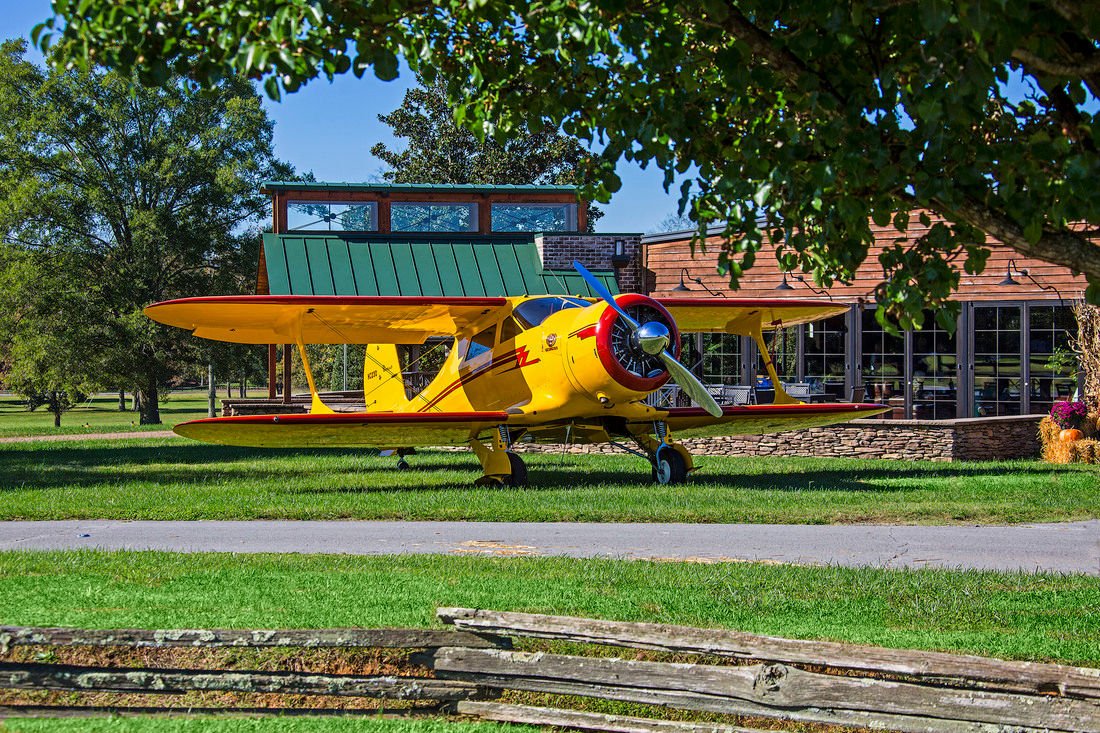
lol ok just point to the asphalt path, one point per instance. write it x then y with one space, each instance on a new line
1072 547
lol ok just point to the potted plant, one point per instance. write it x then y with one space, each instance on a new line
1069 416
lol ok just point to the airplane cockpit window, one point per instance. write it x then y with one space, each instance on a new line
509 329
481 343
533 312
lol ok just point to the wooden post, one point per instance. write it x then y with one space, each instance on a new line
272 374
211 395
286 373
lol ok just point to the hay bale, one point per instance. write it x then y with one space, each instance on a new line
1058 452
1084 450
1048 431
1091 426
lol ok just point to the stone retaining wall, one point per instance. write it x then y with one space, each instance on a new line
978 438
967 439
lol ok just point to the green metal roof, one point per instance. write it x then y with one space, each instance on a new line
410 187
452 266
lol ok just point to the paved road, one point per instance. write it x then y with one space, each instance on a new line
1070 547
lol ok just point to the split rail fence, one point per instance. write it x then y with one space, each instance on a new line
732 673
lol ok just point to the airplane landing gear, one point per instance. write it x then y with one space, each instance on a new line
500 466
671 461
669 466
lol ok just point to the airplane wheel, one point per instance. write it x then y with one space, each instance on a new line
671 467
403 465
518 478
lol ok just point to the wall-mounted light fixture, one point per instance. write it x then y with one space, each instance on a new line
682 288
783 285
1009 280
619 257
814 290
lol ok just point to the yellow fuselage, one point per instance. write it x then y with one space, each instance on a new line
549 371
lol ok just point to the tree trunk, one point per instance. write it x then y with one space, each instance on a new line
150 403
228 389
135 401
122 400
55 408
244 388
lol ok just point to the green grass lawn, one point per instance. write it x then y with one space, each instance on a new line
177 479
1012 615
100 414
1043 617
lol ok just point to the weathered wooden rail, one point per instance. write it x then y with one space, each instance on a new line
798 681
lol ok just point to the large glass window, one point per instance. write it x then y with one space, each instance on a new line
1053 364
823 358
935 374
534 217
782 345
720 360
432 217
997 363
883 363
347 216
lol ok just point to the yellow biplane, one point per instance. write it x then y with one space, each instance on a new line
547 369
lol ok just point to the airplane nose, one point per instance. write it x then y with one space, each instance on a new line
653 337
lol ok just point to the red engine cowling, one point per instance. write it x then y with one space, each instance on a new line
619 351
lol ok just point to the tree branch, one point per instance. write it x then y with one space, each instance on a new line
1067 248
1057 68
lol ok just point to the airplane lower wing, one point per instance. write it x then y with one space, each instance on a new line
695 422
395 429
345 430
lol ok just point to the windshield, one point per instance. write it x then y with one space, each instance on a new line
533 312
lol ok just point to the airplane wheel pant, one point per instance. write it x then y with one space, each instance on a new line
498 464
670 466
655 448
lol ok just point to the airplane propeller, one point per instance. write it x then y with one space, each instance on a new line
653 337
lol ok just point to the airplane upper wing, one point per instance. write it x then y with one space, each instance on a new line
740 315
318 319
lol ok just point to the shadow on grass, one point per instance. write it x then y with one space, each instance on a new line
37 468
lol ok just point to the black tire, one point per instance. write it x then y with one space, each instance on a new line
518 479
403 465
671 467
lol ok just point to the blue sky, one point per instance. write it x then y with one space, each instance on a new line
330 128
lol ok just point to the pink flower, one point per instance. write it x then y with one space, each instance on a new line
1068 414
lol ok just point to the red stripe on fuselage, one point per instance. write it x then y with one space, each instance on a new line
519 358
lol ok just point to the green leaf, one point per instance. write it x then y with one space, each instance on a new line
385 66
1033 230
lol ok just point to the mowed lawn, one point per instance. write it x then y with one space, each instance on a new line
178 479
100 414
1012 615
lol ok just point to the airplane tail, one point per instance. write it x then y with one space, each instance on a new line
383 385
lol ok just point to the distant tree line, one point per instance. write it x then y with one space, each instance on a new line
115 195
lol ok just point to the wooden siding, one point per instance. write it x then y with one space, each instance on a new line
664 261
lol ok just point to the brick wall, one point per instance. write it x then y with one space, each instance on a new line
969 439
558 251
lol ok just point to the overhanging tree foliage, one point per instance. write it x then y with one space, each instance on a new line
439 150
122 196
804 119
